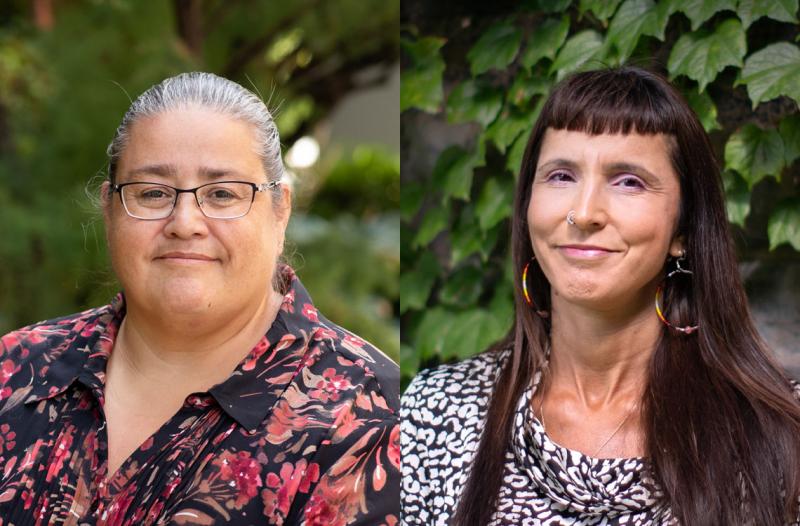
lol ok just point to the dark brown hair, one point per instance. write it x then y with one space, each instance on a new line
722 428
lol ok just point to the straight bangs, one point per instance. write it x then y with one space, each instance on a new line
628 103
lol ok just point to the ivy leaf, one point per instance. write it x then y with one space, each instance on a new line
463 287
421 83
701 56
737 198
634 19
431 332
527 86
789 129
514 157
705 109
546 39
579 49
454 169
415 286
508 127
772 72
467 238
494 203
495 49
755 153
781 10
602 9
409 362
434 221
474 101
699 11
471 332
784 225
551 6
411 196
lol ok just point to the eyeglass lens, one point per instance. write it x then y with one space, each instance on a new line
224 200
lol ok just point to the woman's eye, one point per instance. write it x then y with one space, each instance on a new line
559 177
629 182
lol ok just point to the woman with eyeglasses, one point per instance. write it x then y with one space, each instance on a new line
633 388
209 391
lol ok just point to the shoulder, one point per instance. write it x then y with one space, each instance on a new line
348 351
52 336
468 381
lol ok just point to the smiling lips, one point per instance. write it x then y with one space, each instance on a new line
185 257
585 251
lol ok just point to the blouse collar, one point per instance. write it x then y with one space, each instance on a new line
81 350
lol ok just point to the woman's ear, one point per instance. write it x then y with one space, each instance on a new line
677 247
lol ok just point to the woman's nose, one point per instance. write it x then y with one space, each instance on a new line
590 207
187 219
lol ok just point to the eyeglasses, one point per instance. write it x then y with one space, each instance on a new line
219 200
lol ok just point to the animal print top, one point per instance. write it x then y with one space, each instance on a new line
442 415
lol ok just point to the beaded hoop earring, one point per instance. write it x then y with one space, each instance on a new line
689 329
541 313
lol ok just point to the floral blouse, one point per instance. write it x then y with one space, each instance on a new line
305 431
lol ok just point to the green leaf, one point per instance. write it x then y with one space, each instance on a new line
494 203
421 83
467 238
508 127
551 6
784 225
471 332
411 196
699 11
514 157
579 49
602 9
789 129
705 109
772 72
495 49
474 101
415 286
409 361
527 86
634 19
453 171
463 287
546 39
755 153
431 332
434 221
701 56
781 10
737 198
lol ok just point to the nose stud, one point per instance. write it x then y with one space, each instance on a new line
571 217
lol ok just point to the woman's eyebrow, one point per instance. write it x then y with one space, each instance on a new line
632 168
557 163
169 170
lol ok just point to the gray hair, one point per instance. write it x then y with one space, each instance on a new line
209 91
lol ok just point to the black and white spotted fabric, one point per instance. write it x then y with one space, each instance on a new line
442 415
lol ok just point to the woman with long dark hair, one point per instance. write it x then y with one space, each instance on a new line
633 387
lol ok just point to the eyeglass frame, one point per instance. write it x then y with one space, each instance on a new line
263 187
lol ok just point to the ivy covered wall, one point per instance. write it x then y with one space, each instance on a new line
474 77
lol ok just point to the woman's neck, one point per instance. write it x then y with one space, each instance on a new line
600 357
188 354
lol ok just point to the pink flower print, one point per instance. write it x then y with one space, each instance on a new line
242 472
288 302
310 312
7 370
320 512
7 437
5 392
324 333
393 451
61 453
354 340
329 386
291 480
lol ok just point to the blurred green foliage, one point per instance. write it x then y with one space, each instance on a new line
491 75
67 73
